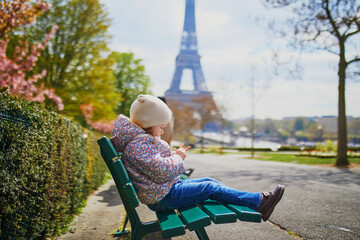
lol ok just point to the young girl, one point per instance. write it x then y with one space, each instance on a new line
155 170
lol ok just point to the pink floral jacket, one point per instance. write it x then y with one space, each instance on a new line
151 166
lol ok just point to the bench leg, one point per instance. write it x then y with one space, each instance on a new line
201 233
125 223
123 231
138 231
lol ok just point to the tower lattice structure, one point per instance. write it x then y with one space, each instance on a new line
189 58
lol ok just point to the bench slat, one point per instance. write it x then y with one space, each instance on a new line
120 172
107 150
129 195
218 212
194 217
245 213
170 224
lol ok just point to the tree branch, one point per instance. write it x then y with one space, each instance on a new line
352 33
357 59
332 22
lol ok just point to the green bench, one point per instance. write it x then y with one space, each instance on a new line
170 223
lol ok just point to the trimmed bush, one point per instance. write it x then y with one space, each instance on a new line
48 167
294 148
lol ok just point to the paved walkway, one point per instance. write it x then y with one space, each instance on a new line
319 202
99 218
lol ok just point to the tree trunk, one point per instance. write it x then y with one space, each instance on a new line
252 136
341 159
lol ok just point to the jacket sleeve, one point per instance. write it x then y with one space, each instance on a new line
148 160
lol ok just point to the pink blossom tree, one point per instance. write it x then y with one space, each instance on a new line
13 70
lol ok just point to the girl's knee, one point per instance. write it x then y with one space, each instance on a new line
212 187
201 180
213 180
209 179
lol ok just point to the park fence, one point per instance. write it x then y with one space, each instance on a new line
48 167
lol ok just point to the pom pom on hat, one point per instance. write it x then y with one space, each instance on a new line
148 111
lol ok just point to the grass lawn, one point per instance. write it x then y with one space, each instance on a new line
290 158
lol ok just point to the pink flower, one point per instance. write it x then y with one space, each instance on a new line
43 6
104 127
12 73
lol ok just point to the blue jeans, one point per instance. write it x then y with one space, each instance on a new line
192 191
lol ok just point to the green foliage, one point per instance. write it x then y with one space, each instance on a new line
73 57
131 80
299 124
48 167
102 90
329 146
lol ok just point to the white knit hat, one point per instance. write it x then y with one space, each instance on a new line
148 111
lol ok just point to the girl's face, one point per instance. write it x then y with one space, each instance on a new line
156 131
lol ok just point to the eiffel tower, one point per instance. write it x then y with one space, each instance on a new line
189 58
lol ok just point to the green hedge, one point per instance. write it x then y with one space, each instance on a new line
48 167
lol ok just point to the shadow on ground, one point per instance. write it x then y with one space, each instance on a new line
110 196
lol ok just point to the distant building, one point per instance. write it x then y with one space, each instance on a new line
328 123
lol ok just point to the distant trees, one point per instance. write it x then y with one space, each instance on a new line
197 115
332 26
74 52
299 124
309 130
206 112
185 120
130 80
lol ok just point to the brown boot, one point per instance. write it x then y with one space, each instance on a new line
270 199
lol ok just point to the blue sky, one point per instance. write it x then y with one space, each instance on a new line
234 49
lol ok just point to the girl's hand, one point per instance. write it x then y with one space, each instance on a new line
182 151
